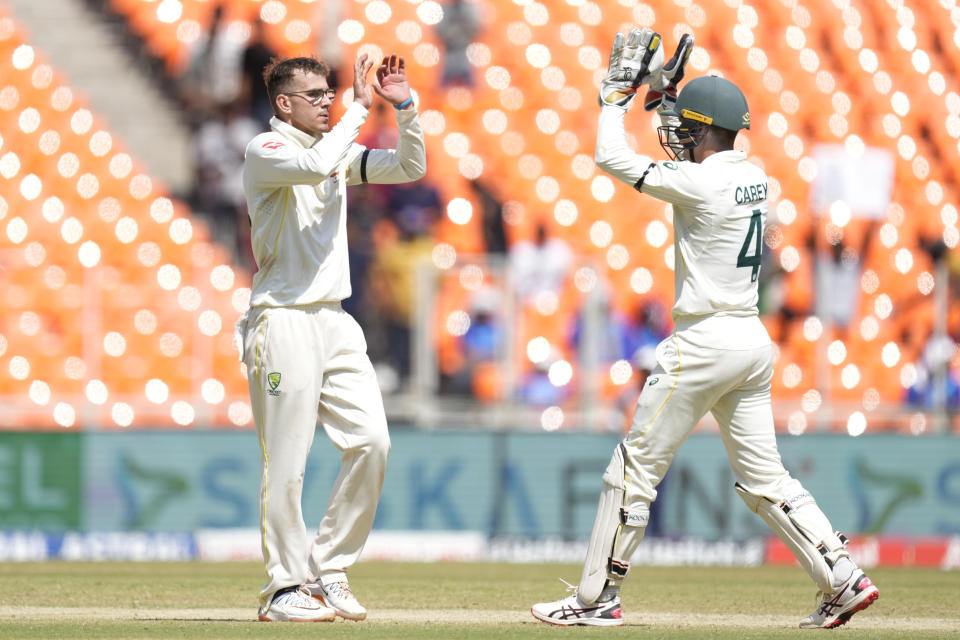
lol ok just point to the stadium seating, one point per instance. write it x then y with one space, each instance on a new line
119 308
848 72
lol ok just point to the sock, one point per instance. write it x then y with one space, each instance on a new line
611 591
843 569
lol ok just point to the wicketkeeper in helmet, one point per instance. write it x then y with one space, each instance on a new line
719 358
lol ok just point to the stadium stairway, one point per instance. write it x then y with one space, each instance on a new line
82 45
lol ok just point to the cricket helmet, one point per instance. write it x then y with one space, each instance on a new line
708 101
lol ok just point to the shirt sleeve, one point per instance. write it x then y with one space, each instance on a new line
406 163
277 163
683 183
674 182
612 153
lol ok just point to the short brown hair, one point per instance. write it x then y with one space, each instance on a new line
278 74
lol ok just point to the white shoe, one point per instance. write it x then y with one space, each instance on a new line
855 594
294 604
339 597
572 611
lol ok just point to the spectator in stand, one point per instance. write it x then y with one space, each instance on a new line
367 204
484 339
480 347
494 234
649 326
414 207
614 330
536 388
638 336
838 270
457 30
370 204
929 393
838 267
256 57
219 146
540 265
213 76
393 274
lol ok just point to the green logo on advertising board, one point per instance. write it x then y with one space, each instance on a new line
40 481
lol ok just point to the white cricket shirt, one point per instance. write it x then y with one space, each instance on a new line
296 195
719 213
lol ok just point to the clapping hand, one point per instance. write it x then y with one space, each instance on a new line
361 90
634 61
391 80
664 92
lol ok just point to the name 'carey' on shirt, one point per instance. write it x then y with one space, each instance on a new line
751 193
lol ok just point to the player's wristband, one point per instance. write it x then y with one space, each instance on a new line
403 104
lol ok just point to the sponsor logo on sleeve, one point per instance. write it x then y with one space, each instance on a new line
670 165
272 144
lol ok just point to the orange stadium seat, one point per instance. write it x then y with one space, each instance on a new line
74 282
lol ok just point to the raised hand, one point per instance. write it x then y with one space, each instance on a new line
634 61
643 55
664 91
615 89
361 90
673 69
390 82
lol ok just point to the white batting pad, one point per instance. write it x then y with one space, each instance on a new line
617 531
799 522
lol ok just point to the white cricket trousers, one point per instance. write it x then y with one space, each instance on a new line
688 382
302 361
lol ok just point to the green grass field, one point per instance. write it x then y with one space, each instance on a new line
453 601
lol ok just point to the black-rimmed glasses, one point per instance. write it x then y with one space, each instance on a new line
314 96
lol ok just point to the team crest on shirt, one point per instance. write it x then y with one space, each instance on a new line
273 379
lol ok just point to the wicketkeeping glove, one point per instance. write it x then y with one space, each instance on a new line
663 91
637 61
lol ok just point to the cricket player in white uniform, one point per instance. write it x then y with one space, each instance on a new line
719 358
304 353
